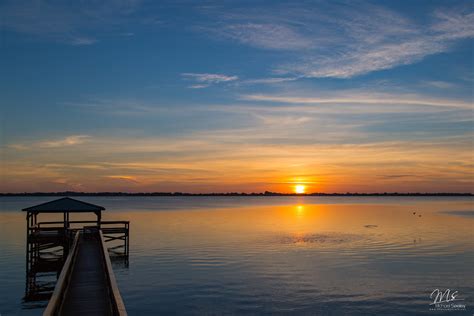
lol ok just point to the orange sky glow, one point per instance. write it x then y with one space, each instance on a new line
211 165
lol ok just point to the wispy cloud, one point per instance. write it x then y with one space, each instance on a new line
268 36
438 84
354 97
397 42
204 80
344 40
362 60
130 179
270 80
210 78
455 23
67 141
284 120
55 143
198 86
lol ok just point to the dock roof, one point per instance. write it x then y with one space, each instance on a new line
65 204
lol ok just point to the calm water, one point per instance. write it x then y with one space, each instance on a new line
273 255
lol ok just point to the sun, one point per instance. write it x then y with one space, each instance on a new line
300 189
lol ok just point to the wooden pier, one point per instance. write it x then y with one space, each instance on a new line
77 254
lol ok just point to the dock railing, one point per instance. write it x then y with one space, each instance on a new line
52 229
47 225
116 298
63 280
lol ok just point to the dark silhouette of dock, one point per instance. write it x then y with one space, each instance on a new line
86 284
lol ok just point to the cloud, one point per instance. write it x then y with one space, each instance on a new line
438 84
396 176
363 60
67 141
268 36
56 143
210 78
205 80
270 80
198 86
380 40
343 40
367 98
129 179
284 120
456 23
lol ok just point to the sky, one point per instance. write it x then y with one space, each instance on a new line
236 96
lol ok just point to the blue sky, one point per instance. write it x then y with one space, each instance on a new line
237 95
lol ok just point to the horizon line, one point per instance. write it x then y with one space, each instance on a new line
265 193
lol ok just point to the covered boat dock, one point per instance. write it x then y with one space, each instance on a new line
86 284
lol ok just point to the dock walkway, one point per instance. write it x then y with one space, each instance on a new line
86 285
87 290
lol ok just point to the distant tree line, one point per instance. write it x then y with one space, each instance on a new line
266 193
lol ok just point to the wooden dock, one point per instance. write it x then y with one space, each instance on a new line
86 285
77 254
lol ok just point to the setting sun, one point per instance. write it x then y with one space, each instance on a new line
300 188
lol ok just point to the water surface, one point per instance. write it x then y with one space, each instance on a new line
273 255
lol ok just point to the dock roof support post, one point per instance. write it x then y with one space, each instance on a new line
99 218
